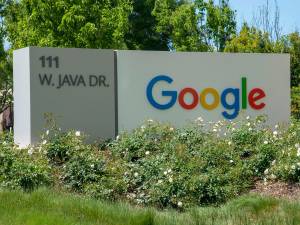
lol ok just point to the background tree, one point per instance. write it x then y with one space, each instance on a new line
268 20
250 39
294 50
5 75
142 33
221 23
67 23
177 21
197 25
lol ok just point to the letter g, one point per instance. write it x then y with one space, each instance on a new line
172 94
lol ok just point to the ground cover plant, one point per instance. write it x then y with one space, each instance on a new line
50 207
157 164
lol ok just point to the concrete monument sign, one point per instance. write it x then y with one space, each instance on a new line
76 85
101 92
179 87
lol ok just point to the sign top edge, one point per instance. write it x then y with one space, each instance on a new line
65 48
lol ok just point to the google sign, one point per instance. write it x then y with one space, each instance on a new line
104 92
254 97
178 87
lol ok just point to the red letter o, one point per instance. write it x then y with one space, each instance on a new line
195 98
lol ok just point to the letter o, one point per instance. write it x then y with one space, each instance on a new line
216 96
182 94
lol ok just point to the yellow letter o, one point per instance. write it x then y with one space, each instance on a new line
215 95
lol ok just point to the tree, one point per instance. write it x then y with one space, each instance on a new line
250 40
142 33
5 75
265 20
178 21
221 24
195 25
294 50
67 23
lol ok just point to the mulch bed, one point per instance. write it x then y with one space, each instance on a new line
277 190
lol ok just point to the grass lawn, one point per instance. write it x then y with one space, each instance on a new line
49 207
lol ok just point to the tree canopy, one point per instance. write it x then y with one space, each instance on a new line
67 23
177 25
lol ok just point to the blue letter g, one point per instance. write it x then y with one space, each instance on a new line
172 94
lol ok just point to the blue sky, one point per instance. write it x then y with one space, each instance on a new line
289 10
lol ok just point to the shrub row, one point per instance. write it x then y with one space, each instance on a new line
157 164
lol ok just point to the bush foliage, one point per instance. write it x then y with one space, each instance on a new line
158 164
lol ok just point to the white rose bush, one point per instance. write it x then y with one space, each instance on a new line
158 164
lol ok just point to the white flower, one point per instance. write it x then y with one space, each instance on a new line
229 143
118 137
298 164
275 133
273 177
92 166
265 181
170 180
169 170
44 142
47 132
248 117
166 172
199 119
273 163
248 124
77 133
231 161
159 181
150 121
250 129
266 142
215 130
297 145
298 152
30 151
147 152
233 129
171 129
179 204
266 171
293 167
276 126
135 174
4 142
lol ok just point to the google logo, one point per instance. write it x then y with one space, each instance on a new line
241 97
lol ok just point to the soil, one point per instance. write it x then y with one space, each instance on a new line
278 190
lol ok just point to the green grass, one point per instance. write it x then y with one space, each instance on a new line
49 207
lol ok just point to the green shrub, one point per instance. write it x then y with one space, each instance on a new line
296 102
170 167
157 164
24 169
286 166
60 146
85 167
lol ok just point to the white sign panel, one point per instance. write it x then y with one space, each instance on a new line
180 87
76 85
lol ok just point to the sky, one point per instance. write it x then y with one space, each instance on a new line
289 12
